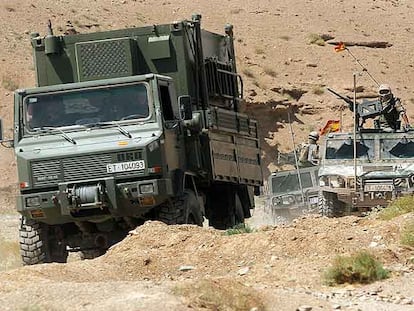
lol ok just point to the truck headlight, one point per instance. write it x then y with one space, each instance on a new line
401 182
32 201
336 182
146 188
351 182
323 181
276 201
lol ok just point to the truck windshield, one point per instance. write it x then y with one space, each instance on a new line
344 149
82 107
397 148
290 182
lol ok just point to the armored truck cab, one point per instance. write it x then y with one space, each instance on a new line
384 170
130 125
286 195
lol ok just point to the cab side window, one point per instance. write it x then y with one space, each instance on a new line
166 104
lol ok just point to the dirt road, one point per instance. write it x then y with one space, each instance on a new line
180 267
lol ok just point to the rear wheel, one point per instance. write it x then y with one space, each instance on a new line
329 205
182 210
41 243
227 209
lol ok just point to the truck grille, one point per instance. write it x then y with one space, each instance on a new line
50 172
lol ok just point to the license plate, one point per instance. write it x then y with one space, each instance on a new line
125 166
313 200
379 188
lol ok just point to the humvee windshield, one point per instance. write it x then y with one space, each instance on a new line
288 183
86 106
344 149
397 148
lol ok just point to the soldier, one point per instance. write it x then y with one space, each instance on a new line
309 152
392 110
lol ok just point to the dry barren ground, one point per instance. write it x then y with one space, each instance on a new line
188 267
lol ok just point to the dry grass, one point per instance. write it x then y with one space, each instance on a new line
361 267
220 295
238 229
270 72
9 255
314 38
318 90
9 84
407 234
398 207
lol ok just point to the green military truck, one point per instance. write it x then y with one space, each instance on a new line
126 126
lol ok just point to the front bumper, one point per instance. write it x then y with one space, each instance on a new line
103 198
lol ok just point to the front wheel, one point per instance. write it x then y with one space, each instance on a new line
329 205
182 210
41 243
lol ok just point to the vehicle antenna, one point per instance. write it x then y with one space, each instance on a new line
341 47
296 159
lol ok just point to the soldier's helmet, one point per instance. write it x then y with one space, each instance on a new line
314 136
384 91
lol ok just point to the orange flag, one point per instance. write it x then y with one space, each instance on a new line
330 126
340 47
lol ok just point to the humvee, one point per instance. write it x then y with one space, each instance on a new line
382 170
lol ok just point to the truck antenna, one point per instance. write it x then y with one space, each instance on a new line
49 28
341 47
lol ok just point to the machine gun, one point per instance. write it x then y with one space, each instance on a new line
364 110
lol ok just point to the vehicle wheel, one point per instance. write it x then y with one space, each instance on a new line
329 205
183 210
41 243
228 211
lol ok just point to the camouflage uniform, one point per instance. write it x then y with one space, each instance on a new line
309 152
392 109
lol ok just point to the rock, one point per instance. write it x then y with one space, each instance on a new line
304 308
336 307
373 244
243 271
186 268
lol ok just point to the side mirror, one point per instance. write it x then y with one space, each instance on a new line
186 110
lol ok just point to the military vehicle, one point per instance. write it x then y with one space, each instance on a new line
381 170
126 126
285 196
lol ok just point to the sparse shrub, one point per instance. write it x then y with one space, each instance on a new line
361 267
314 38
248 73
318 90
270 72
9 84
259 50
220 294
407 234
238 229
398 207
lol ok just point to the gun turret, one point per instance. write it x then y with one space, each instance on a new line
348 100
365 110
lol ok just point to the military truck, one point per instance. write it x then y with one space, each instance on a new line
126 126
382 170
285 196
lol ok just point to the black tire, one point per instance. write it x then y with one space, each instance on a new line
41 243
329 205
228 212
182 210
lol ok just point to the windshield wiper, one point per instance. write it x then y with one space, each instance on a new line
101 124
64 135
